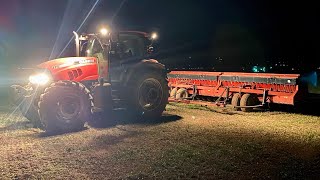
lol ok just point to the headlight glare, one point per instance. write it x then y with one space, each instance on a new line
39 79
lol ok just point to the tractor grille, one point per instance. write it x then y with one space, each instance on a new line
74 74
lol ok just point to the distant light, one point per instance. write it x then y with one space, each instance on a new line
88 51
258 69
104 31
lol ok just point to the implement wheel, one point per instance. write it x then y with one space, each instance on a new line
247 100
235 101
65 106
182 93
173 93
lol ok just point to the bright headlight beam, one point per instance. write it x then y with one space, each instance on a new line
117 11
85 19
39 79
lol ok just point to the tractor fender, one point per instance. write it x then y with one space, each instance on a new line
143 67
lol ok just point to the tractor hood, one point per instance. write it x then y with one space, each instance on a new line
72 68
58 64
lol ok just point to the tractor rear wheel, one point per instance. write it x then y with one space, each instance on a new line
150 95
65 106
235 101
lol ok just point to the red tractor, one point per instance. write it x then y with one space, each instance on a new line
111 70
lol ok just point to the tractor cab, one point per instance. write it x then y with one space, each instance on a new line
114 50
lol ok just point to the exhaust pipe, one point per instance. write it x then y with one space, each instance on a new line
77 43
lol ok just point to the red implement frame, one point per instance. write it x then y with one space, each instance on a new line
272 88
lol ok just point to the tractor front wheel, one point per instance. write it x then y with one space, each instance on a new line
65 106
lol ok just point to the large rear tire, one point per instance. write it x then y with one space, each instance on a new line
150 95
65 106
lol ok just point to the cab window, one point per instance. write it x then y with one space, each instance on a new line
93 48
132 46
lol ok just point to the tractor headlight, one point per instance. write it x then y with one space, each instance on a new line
39 79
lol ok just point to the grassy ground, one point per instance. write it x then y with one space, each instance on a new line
190 142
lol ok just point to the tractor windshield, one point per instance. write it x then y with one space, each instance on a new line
127 46
93 48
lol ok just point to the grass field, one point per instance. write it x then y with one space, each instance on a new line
190 142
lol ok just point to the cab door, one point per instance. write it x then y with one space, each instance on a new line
116 68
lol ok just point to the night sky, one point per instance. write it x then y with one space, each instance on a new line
192 33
